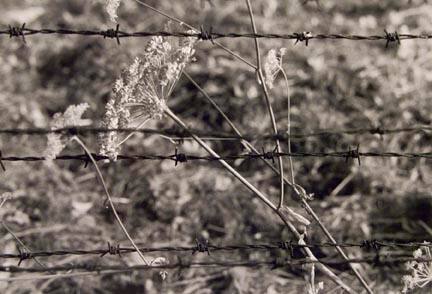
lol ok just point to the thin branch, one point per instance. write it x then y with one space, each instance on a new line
289 125
78 140
134 132
269 106
22 244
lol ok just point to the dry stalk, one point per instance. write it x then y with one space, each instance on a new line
269 106
260 195
101 179
260 74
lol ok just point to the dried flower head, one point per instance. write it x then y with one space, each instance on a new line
272 65
111 9
142 89
421 272
70 118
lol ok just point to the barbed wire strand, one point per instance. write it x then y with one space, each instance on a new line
182 157
367 245
273 263
23 31
180 134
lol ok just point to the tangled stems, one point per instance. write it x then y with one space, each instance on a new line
259 194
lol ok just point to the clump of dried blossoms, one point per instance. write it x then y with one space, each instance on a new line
111 9
142 89
421 272
70 118
272 65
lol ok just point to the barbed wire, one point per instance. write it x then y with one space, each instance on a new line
182 157
273 263
23 31
204 247
176 133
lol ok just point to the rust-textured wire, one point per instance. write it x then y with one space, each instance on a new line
290 246
23 31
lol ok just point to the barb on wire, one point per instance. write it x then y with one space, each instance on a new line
353 153
204 246
303 36
177 133
392 37
180 157
113 250
211 35
206 35
201 246
111 33
17 32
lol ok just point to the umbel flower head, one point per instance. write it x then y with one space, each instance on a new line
140 93
70 118
111 9
421 272
272 65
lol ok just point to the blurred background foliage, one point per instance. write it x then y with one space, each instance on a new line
334 84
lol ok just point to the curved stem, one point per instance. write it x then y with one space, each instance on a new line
98 172
269 106
289 125
134 132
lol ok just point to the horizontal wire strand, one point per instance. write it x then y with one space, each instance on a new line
211 35
274 263
181 157
217 135
368 245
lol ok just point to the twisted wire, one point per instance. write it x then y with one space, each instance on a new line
181 134
273 263
181 157
23 31
368 245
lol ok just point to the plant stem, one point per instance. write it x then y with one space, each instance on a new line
22 244
357 274
269 106
250 147
134 132
260 195
98 172
289 125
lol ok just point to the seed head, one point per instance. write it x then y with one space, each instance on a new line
111 9
421 272
70 118
140 93
272 65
